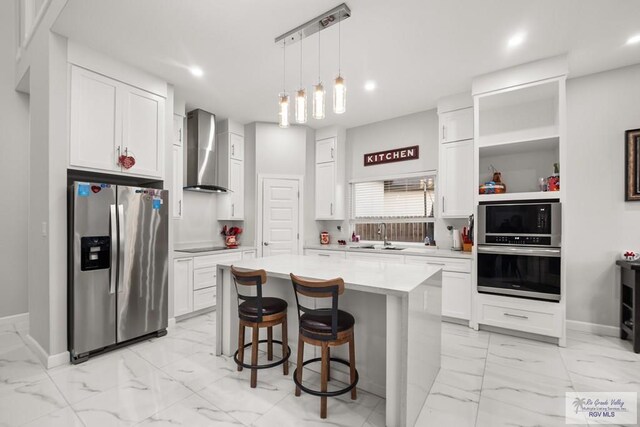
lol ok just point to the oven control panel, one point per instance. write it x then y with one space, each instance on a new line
519 240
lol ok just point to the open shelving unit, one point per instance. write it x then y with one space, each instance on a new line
520 128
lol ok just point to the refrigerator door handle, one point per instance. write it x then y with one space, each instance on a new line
113 223
121 247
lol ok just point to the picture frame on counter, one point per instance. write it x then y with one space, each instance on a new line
632 162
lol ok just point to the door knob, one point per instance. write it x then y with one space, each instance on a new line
266 243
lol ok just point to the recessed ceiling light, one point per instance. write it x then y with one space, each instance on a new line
370 85
516 39
634 39
196 71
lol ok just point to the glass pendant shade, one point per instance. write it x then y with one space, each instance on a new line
339 96
318 101
283 110
301 106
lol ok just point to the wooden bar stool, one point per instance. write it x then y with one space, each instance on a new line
256 311
325 328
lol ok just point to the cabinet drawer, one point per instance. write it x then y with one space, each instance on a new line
204 298
448 264
534 321
213 260
325 254
204 277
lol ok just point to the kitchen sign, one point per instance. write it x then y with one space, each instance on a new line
389 156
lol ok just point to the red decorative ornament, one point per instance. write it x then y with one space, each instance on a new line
126 161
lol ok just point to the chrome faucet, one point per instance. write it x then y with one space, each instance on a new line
385 242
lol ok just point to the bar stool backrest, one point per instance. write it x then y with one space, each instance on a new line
250 278
319 289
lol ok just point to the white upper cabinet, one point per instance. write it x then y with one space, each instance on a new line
178 130
96 121
110 119
177 182
330 174
236 146
143 131
325 150
230 146
456 179
326 190
456 125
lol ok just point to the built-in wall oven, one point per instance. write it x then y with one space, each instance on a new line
519 249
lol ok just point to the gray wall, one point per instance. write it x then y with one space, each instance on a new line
14 173
414 129
599 223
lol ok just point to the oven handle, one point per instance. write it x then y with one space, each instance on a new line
510 250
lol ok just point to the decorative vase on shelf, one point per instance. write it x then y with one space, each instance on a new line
231 241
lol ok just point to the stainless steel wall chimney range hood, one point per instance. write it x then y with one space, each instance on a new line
202 159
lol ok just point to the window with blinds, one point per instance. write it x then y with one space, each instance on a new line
406 205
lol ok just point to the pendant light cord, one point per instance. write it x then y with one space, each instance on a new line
319 55
300 59
284 66
339 40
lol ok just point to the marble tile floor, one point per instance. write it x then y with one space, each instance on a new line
487 379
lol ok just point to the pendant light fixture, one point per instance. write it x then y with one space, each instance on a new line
283 97
318 92
339 87
301 95
315 25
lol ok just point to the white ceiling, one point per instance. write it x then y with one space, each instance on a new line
416 50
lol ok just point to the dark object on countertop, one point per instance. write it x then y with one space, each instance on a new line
630 302
342 242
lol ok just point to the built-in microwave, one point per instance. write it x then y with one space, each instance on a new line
530 223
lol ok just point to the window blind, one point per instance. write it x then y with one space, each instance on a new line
397 199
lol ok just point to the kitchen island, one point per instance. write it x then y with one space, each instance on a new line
397 309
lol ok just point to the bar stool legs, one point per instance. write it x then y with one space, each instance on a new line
285 339
300 362
352 366
241 336
324 377
254 356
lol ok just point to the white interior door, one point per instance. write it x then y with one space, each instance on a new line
280 216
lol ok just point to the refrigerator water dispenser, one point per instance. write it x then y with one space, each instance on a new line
95 253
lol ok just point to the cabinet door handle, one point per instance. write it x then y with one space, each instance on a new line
331 209
519 316
233 209
180 207
327 255
444 133
332 152
233 149
118 156
180 137
443 210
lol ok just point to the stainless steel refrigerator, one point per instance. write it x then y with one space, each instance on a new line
118 266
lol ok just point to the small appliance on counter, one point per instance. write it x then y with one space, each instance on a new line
457 240
324 238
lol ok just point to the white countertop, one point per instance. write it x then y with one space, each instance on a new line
178 254
368 276
420 251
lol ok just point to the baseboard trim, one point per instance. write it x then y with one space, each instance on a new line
14 318
48 361
59 359
37 349
593 328
172 323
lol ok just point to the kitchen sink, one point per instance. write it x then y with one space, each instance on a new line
392 248
362 247
377 247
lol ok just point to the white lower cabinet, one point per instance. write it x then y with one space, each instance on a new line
325 254
375 257
194 280
536 317
182 286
